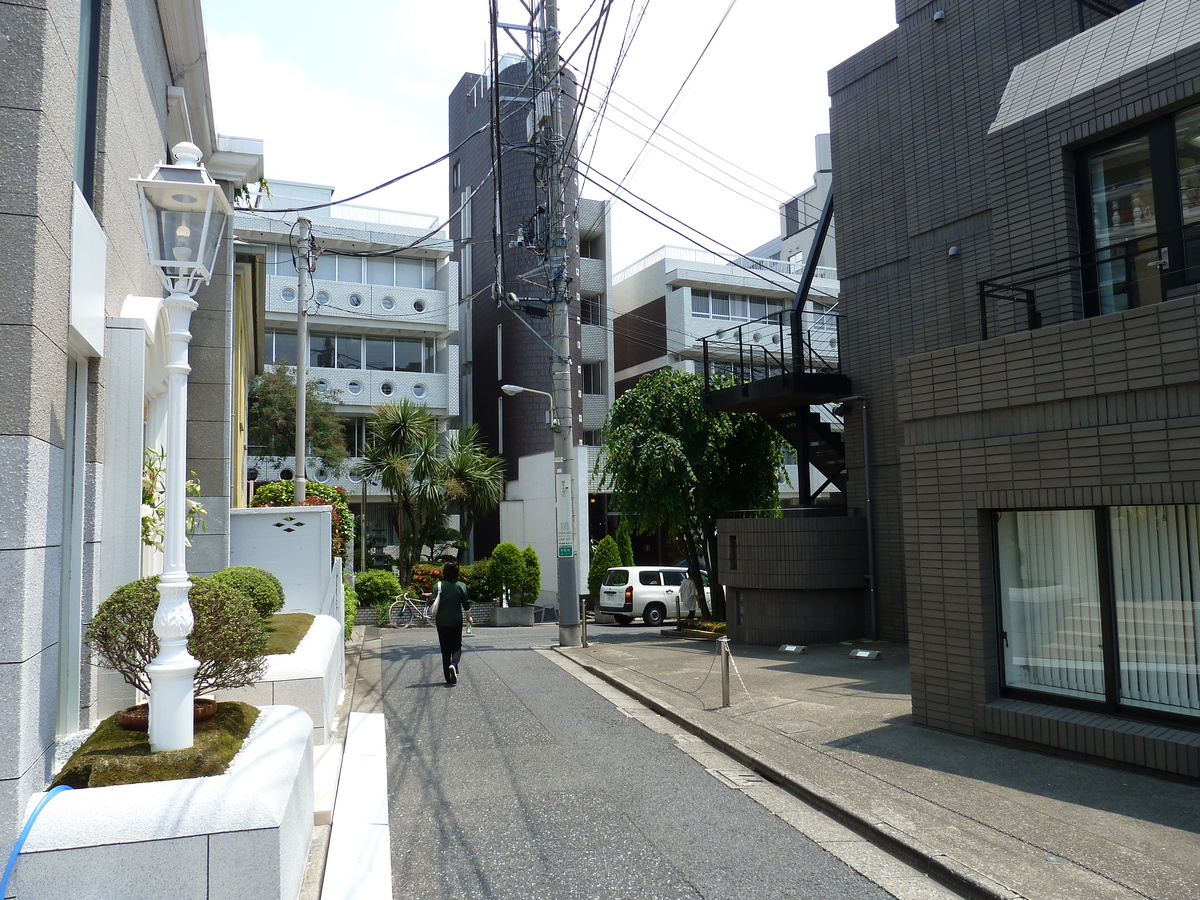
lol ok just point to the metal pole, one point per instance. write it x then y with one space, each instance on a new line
723 645
569 627
303 267
362 531
872 597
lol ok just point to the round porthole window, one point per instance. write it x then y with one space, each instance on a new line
355 301
252 474
288 295
322 298
322 384
354 479
386 389
354 387
419 391
419 305
388 303
286 474
322 475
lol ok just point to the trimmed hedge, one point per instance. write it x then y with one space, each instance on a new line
264 589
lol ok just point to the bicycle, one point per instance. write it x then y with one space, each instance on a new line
410 615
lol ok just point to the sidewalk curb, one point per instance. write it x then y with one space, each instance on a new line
947 871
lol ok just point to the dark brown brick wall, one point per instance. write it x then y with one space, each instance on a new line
1082 412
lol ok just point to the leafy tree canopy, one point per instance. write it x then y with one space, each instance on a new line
673 464
271 420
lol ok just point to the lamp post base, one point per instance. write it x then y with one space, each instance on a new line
570 636
171 703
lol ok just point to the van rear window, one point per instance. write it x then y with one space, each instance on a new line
616 577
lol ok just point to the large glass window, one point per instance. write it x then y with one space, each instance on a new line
379 270
409 354
1142 225
379 354
1050 602
1117 627
281 348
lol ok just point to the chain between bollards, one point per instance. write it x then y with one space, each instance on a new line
723 645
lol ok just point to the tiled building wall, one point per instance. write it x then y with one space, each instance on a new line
909 125
796 580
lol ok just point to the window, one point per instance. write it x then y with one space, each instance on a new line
322 350
280 348
649 578
350 268
379 354
379 270
593 378
1102 605
721 305
590 311
409 354
326 267
1139 196
591 437
456 175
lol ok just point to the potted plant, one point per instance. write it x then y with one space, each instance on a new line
510 574
228 640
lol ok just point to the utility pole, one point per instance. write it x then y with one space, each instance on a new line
569 613
303 267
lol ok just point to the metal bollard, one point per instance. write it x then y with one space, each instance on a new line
723 644
678 615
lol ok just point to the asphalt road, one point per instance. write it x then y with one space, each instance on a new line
523 782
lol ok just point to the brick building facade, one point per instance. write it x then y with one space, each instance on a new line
1019 297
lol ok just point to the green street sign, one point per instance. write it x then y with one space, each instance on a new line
565 551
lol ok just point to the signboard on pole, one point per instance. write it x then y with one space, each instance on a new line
562 506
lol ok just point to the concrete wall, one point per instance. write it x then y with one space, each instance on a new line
793 580
55 452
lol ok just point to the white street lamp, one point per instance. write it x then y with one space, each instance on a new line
183 217
514 389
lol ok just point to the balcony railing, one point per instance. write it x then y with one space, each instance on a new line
1140 271
773 345
692 255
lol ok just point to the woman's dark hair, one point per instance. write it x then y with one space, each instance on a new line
450 571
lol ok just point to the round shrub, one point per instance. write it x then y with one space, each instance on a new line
606 556
481 587
228 638
263 588
507 569
377 588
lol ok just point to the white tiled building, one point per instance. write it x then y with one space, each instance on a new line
381 327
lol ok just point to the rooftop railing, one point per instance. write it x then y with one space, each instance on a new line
703 257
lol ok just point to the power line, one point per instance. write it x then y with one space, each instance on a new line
678 93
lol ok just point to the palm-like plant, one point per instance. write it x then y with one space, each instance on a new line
424 475
474 478
390 457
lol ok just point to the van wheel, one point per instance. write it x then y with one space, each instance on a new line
623 620
654 615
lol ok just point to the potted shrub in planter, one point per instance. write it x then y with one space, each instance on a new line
228 639
509 573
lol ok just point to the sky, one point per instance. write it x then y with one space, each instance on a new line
355 93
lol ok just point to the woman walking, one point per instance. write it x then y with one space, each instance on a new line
451 602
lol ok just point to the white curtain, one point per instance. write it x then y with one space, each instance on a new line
1156 574
1050 602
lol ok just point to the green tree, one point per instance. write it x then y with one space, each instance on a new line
532 584
672 463
625 542
507 568
427 476
474 478
607 556
271 420
400 450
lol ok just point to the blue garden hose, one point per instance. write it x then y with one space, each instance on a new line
16 850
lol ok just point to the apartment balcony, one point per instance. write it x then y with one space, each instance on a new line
595 411
367 388
405 307
591 276
593 343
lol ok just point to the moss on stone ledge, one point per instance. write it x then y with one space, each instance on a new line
113 755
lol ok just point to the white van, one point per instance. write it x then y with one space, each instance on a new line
648 592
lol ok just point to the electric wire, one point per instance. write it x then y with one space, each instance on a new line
379 187
678 94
